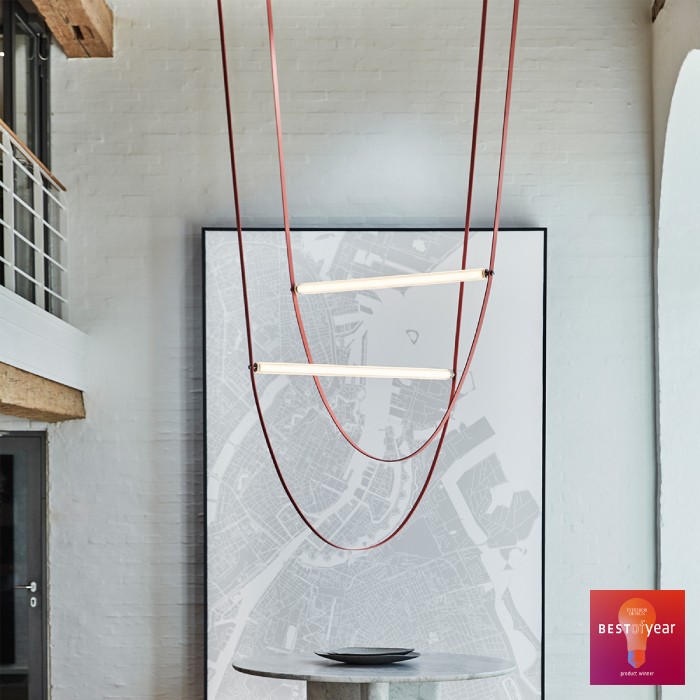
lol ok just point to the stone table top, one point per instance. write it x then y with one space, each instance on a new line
428 668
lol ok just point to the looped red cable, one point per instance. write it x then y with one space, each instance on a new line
455 388
442 426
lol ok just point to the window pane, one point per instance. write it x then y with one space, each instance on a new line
25 288
2 60
25 60
53 277
24 185
24 221
53 245
24 257
2 159
52 212
14 556
53 305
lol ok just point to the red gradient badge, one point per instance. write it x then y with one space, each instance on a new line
637 637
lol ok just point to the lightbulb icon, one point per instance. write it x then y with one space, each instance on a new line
637 616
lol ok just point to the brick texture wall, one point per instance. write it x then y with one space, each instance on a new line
376 99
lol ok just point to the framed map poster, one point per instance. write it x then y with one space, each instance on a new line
465 574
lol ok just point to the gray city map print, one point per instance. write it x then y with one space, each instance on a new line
465 574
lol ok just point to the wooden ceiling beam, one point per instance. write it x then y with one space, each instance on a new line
27 395
656 8
83 28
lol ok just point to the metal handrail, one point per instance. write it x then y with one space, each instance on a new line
33 262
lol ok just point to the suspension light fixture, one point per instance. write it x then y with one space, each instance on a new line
310 368
367 371
420 279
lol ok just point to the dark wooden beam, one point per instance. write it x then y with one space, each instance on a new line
27 395
83 28
656 8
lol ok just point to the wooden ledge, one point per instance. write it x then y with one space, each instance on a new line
27 395
83 28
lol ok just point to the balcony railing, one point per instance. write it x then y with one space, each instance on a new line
33 218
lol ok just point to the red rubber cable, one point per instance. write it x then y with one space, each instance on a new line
442 427
470 189
454 393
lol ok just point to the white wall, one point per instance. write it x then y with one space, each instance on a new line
676 32
678 348
377 125
36 341
676 36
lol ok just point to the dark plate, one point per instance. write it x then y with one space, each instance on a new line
368 659
369 651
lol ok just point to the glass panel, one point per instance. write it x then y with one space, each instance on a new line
2 160
24 221
24 185
5 254
24 260
53 245
25 288
24 257
52 212
14 611
2 60
53 277
54 305
25 60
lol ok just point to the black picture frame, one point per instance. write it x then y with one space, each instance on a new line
311 229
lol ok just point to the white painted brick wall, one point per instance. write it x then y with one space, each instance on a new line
676 69
377 122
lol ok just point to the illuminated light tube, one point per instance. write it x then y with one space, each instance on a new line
367 371
391 282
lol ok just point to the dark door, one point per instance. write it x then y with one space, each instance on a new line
22 562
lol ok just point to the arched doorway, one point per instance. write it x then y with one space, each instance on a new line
678 319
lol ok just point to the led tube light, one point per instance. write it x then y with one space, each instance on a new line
368 371
412 280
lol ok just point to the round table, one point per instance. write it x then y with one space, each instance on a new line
418 679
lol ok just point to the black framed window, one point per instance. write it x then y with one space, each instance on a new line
24 79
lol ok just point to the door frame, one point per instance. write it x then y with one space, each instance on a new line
39 482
